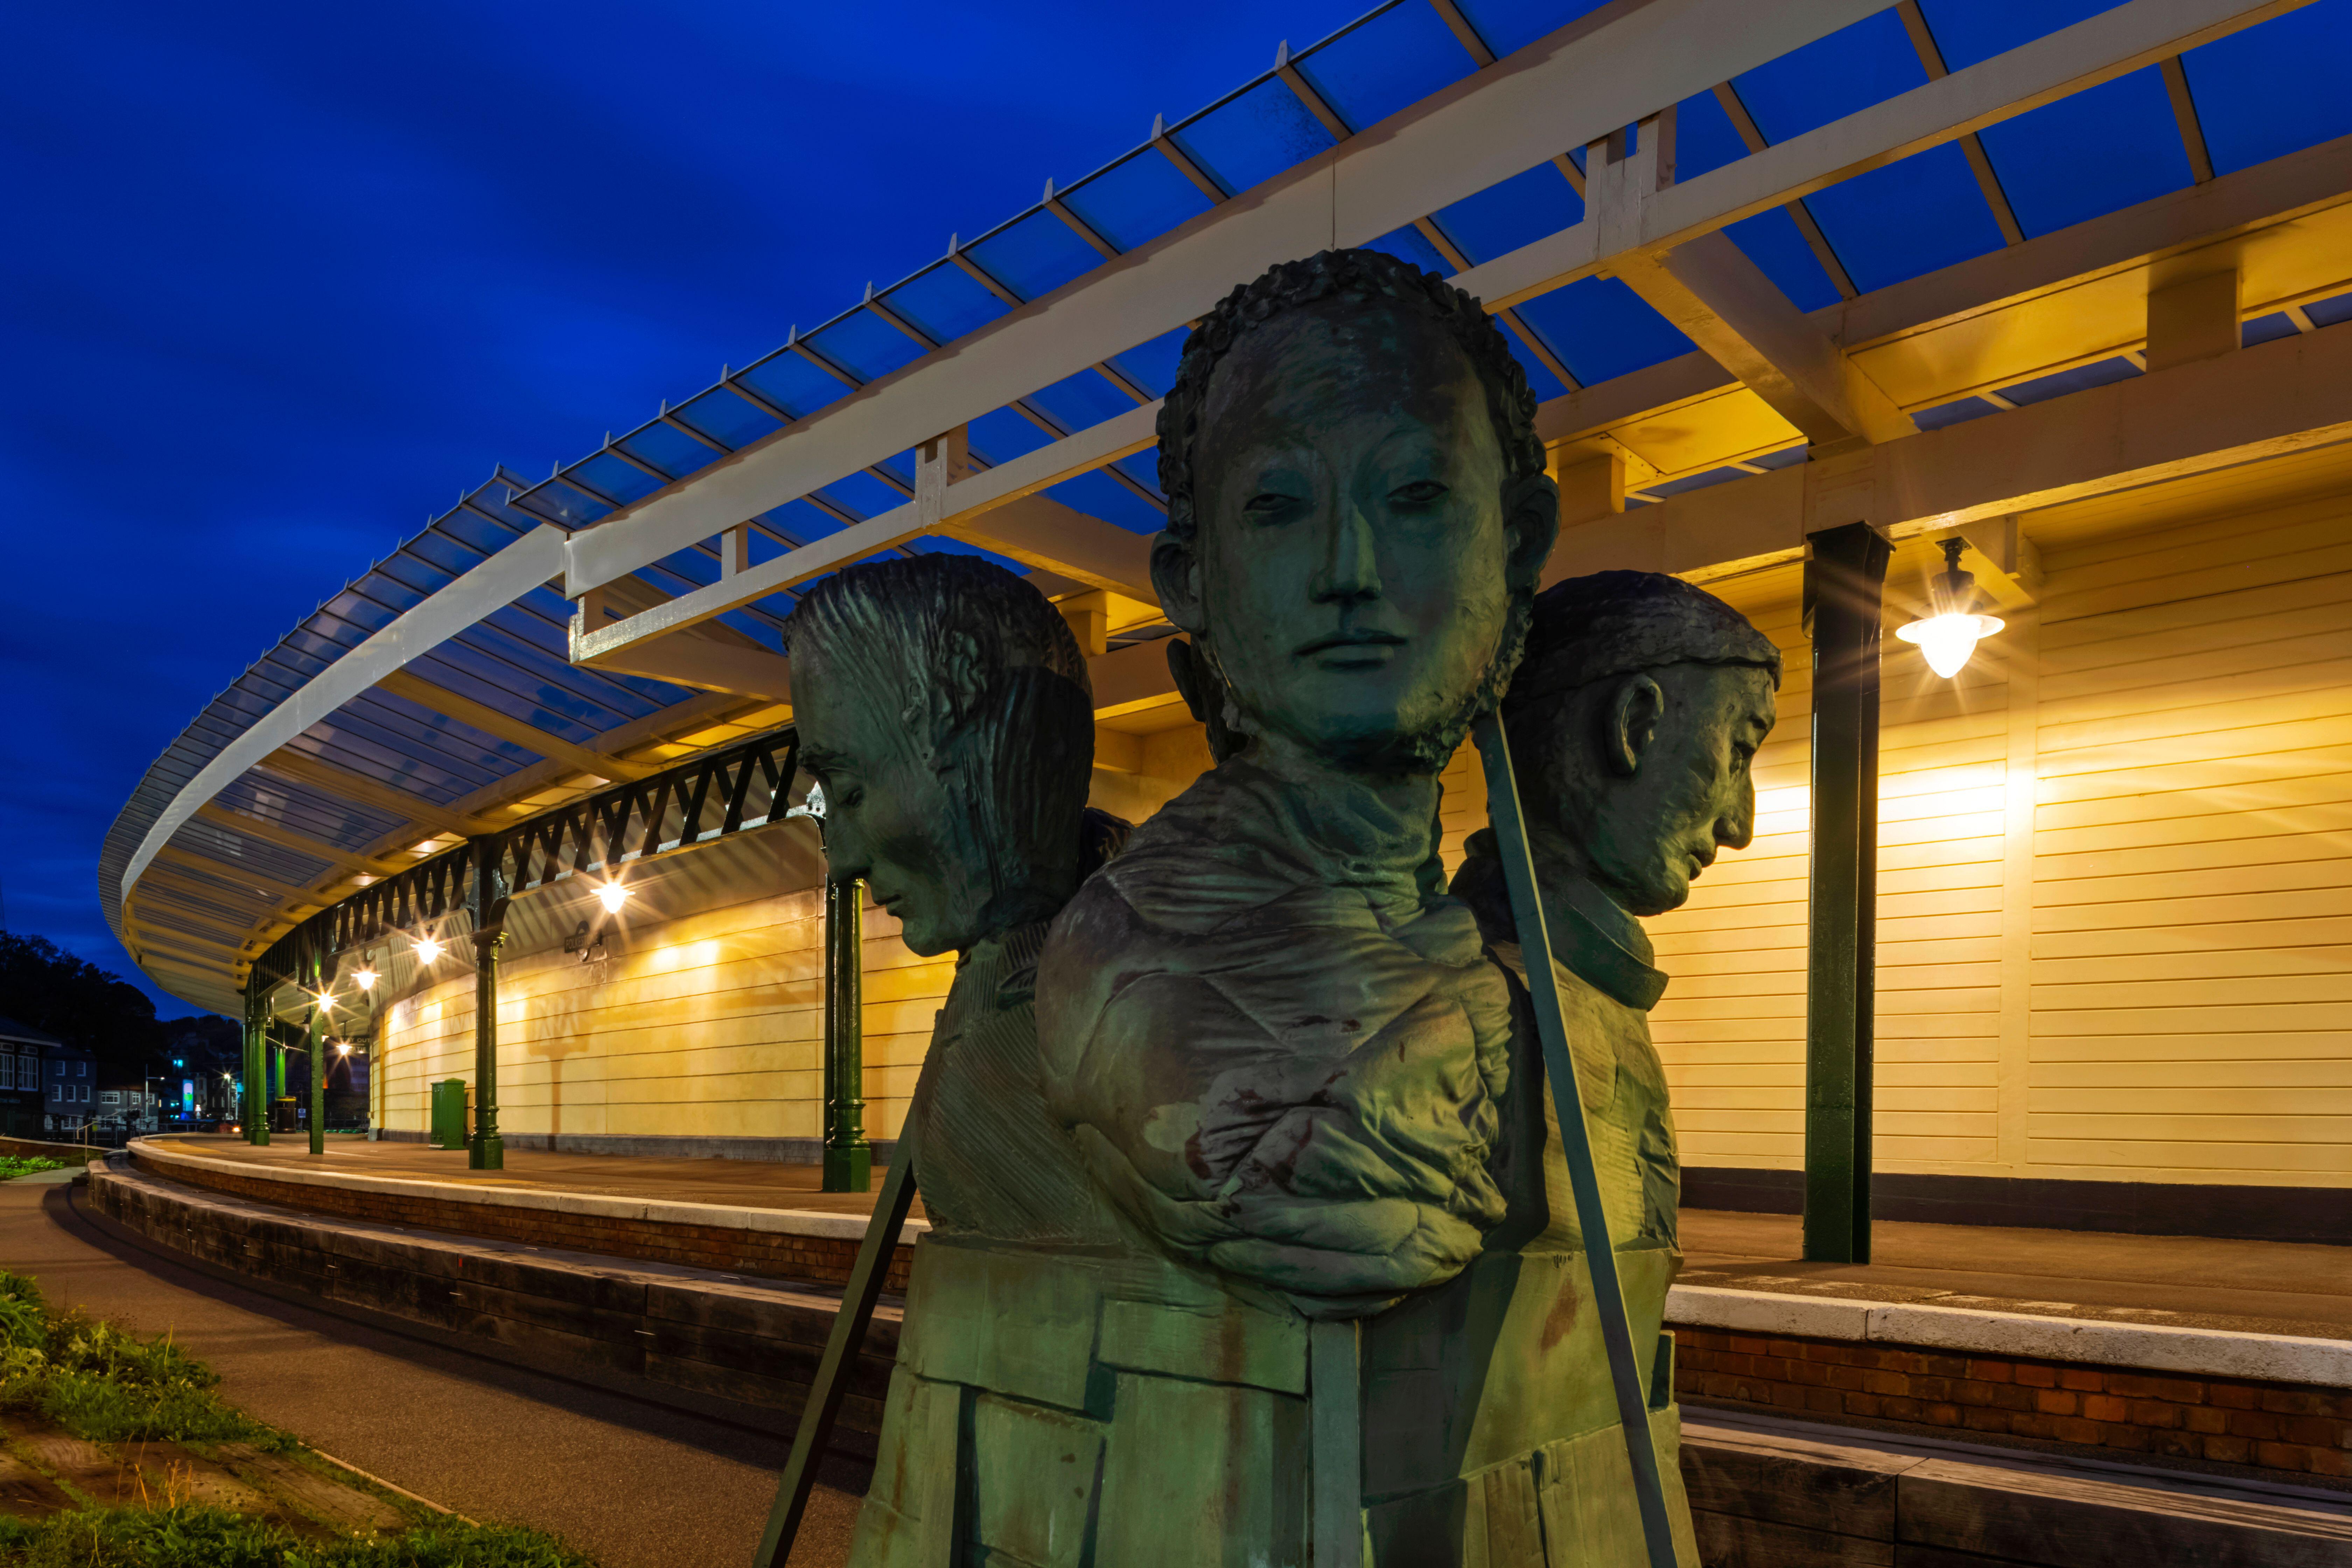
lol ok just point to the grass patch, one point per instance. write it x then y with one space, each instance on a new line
15 1165
108 1386
192 1536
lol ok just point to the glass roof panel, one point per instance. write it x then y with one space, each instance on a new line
1831 77
437 550
1967 31
865 344
1395 59
2264 329
604 475
1907 218
1002 434
2042 388
545 705
945 303
791 384
671 449
1035 255
1519 211
732 418
1409 245
1541 379
1944 414
2276 88
1152 365
1138 199
1255 136
1081 400
1772 240
2331 311
488 534
804 520
864 494
1509 25
409 728
1705 138
215 842
1099 494
563 504
392 766
1602 329
2110 147
1143 468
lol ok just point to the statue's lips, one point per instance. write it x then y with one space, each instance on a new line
1353 651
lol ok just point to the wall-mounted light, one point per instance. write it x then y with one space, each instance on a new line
343 1047
428 950
612 895
1947 634
363 977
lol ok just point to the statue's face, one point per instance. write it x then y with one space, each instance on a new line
1357 544
1654 829
891 815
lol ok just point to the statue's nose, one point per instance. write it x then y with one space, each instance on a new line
1350 568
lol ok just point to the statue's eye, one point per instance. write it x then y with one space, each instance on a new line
1420 492
1268 506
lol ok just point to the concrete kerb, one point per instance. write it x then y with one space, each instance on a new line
777 1222
2199 1352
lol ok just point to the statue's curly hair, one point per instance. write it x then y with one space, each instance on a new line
1364 278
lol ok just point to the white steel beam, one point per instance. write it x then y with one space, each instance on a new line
2250 403
505 577
1606 70
2112 44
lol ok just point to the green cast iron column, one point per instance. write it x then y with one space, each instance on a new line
1846 584
848 1157
485 1151
244 1063
320 1018
265 1061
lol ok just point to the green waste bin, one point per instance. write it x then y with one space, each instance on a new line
449 1113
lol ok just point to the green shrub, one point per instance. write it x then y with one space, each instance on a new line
192 1536
15 1165
108 1386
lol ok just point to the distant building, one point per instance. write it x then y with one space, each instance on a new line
21 1049
69 1087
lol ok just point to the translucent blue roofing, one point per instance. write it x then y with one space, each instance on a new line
2257 94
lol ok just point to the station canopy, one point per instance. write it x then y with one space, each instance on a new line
470 706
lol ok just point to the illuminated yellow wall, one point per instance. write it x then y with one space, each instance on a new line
2115 866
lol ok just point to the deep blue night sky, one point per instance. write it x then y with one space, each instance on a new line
280 280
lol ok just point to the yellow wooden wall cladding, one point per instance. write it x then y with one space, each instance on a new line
2115 866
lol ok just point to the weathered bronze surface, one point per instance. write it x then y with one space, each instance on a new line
944 706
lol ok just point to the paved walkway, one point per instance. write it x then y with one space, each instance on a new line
632 1485
742 1183
2178 1281
2261 1287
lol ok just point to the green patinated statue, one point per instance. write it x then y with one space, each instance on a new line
1286 1053
943 704
1634 719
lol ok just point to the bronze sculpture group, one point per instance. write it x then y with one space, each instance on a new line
1255 1234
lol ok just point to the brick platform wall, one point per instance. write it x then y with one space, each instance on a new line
2267 1426
771 1255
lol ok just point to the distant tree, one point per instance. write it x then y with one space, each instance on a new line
55 992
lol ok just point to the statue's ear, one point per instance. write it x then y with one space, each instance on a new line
1532 522
1176 577
1630 723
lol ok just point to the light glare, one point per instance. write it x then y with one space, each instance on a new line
612 895
428 950
1949 639
364 978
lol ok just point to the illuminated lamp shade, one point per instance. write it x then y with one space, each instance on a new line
612 895
1948 634
427 950
345 1046
363 977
